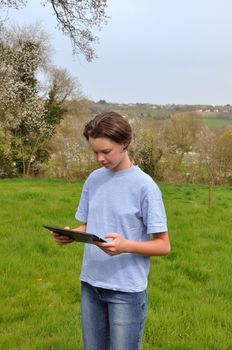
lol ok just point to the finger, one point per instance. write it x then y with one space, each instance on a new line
62 239
66 239
111 235
61 242
54 234
107 251
106 245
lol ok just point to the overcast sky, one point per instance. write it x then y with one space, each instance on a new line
151 51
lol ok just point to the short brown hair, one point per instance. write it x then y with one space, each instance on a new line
111 125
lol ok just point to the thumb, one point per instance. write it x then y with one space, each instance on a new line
111 235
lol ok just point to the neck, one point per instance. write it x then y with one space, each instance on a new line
125 163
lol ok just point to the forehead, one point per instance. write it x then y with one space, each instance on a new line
102 143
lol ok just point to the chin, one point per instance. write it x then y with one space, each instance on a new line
107 166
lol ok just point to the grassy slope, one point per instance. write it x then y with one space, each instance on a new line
191 288
216 122
189 291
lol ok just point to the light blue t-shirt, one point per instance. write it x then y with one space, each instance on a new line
127 202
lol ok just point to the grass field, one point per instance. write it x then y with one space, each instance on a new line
190 291
216 122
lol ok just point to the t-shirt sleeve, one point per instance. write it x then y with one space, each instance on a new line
153 211
83 207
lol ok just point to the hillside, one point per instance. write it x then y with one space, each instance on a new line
213 116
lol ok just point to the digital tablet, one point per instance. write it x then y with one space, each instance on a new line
76 236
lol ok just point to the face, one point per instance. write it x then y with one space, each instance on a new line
110 154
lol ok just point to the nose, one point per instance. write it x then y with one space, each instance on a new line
100 158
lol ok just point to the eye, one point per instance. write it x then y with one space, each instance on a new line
106 151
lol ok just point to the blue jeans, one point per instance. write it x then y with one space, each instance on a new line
112 320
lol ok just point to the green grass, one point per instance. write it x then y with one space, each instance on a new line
190 291
216 122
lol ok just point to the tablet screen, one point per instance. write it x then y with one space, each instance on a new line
75 235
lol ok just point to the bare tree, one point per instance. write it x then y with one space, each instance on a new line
174 142
180 133
223 156
75 18
63 84
70 155
215 158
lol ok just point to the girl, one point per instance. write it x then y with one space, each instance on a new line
123 205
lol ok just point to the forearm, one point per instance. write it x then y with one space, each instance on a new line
155 247
160 245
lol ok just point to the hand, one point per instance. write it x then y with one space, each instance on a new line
61 240
116 246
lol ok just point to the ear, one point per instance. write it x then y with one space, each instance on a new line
124 149
125 146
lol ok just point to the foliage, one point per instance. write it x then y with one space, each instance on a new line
142 151
53 107
71 158
180 133
22 110
6 160
24 113
177 150
215 155
75 18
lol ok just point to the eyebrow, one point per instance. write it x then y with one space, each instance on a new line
103 150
